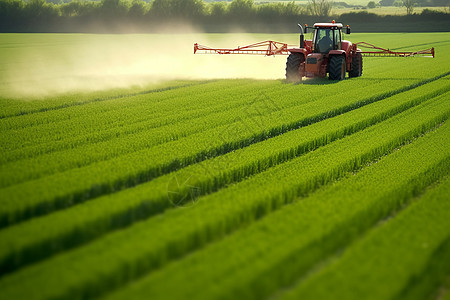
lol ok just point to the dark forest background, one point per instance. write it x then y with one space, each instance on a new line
135 16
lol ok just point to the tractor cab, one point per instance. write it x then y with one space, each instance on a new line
327 37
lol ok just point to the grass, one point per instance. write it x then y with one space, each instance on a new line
225 188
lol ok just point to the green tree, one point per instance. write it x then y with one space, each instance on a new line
409 4
218 9
40 8
320 8
79 8
138 9
11 14
177 8
188 8
111 9
241 8
371 4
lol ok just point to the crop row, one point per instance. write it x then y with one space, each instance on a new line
124 111
134 110
179 231
146 136
67 188
122 208
52 137
96 134
446 290
91 109
415 240
275 252
129 139
63 140
60 140
90 153
12 108
115 114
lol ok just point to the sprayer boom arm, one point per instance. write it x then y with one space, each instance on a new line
267 48
381 52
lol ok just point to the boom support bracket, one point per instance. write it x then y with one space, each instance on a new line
381 52
267 48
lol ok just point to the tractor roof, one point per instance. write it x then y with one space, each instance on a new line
328 25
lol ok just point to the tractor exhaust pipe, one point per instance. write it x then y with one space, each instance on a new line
302 38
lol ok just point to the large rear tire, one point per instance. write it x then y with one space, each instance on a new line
337 67
292 65
357 66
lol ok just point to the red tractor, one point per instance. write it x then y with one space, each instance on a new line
326 53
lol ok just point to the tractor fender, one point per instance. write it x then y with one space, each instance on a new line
299 51
337 52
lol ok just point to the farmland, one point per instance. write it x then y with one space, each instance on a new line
132 172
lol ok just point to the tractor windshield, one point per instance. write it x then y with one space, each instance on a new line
326 39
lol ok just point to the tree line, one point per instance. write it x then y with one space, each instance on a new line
157 15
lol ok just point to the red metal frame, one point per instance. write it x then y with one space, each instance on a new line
267 48
386 52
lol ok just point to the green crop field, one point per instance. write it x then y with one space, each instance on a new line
132 169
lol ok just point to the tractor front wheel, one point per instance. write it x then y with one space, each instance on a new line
337 67
357 66
292 67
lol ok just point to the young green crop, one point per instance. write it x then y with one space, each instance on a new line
43 238
274 252
13 107
90 153
398 250
153 109
113 120
55 138
67 188
179 231
133 140
164 99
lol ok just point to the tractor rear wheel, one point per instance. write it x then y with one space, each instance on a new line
292 65
357 66
337 67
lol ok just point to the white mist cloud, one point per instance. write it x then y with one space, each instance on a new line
40 65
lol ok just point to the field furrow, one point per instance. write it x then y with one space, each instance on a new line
423 285
417 234
217 214
254 98
53 136
272 253
128 111
209 176
14 108
90 153
67 188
